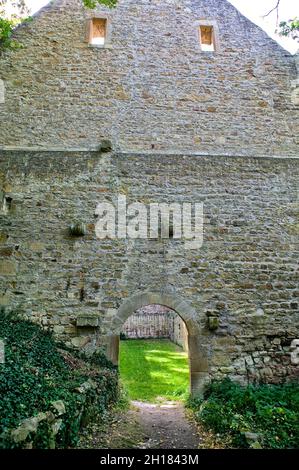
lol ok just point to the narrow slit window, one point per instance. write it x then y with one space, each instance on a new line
98 31
207 38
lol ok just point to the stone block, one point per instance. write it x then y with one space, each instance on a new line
8 268
37 247
87 320
59 407
213 323
56 426
106 145
58 329
80 341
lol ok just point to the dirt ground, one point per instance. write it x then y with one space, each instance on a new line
147 426
165 426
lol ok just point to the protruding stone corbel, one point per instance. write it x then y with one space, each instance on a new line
212 321
77 229
87 320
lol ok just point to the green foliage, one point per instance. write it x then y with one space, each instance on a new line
36 372
6 30
154 370
289 28
272 411
93 3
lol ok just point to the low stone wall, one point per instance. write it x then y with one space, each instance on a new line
156 321
178 332
23 436
152 321
47 426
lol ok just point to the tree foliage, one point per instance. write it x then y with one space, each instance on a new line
7 24
93 3
6 30
289 28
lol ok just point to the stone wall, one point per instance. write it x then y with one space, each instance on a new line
151 88
151 321
179 332
186 126
156 321
55 426
239 291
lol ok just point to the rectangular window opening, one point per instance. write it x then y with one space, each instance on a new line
98 31
207 38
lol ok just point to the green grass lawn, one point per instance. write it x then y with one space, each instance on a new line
154 370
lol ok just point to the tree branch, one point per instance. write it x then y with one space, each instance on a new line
273 9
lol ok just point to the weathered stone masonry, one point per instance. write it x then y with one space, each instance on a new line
245 274
186 126
151 85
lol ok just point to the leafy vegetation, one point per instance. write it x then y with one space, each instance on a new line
154 370
93 3
271 411
289 28
36 372
6 30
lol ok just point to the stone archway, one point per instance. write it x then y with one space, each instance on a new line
198 361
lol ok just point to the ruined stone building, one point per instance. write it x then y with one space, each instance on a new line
200 106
